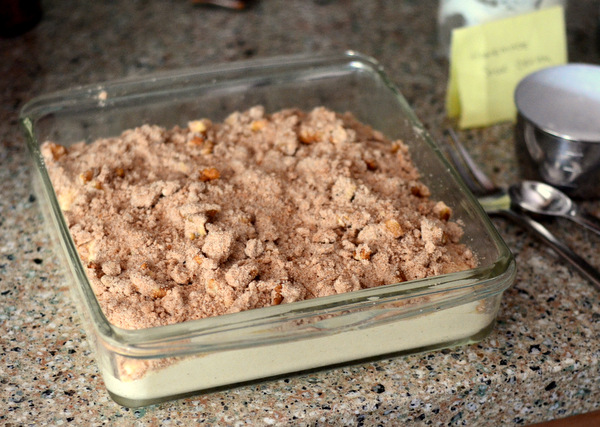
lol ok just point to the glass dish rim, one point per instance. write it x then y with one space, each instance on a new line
151 342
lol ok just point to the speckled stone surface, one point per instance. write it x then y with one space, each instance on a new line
540 362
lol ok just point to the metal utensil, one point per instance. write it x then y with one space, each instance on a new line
557 135
496 201
540 198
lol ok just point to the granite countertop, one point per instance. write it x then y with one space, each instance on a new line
539 363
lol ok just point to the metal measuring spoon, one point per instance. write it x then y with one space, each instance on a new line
540 198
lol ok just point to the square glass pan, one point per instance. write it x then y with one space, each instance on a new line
144 366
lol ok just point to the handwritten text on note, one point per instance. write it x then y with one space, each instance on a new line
489 60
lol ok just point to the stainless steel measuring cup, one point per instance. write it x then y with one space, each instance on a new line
557 134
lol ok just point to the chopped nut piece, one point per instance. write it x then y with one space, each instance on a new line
159 293
95 269
309 138
399 147
442 211
210 209
195 225
57 150
147 286
371 164
197 126
276 297
197 141
362 252
257 125
420 190
86 176
394 228
120 172
207 148
209 174
343 221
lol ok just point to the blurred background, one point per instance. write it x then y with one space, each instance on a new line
85 42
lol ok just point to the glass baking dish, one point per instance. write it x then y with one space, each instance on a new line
156 364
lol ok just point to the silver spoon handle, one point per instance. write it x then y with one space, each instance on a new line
586 270
587 220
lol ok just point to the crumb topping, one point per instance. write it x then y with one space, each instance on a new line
262 209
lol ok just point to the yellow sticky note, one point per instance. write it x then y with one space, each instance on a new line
487 62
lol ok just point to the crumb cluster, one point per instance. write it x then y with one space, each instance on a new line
262 209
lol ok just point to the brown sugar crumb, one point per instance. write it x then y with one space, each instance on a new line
261 209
